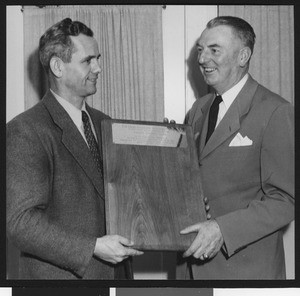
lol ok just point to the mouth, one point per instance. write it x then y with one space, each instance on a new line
209 70
92 79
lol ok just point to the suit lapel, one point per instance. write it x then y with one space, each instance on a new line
204 123
228 126
199 121
232 119
73 141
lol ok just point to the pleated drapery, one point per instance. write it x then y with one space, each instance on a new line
272 63
130 85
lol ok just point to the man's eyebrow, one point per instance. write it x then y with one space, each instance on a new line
89 57
214 45
211 45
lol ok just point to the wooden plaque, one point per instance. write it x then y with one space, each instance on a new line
152 183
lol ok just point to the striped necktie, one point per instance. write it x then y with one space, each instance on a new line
90 138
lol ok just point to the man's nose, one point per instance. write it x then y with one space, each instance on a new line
203 57
96 68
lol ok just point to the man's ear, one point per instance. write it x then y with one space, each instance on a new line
56 66
244 56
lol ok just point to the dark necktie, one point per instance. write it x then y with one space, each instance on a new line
212 117
90 138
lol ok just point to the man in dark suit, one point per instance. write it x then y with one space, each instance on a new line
245 138
55 196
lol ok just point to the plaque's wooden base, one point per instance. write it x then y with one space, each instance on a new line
151 191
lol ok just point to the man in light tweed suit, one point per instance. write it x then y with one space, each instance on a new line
247 162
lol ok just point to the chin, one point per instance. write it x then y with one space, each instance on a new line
92 91
212 82
209 82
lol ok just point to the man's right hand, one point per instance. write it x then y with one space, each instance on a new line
114 248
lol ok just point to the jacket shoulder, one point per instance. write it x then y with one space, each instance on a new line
268 97
28 116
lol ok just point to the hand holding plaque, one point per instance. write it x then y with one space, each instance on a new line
208 241
114 248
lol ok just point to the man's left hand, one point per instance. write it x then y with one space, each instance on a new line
208 241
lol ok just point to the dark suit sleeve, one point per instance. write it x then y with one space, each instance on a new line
28 178
275 208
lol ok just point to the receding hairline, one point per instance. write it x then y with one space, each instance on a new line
232 31
76 40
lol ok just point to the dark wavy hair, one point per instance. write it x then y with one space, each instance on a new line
56 41
241 28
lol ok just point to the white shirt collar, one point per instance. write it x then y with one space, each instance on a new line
230 95
73 112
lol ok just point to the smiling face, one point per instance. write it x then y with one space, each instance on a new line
220 58
79 77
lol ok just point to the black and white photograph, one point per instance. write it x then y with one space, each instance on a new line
150 143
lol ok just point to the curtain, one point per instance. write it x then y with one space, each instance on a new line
130 85
272 63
